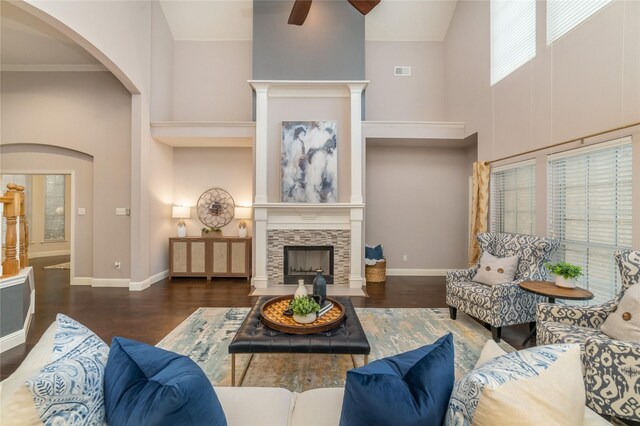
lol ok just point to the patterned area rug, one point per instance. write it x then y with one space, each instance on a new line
65 265
206 334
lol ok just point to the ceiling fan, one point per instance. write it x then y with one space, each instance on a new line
301 8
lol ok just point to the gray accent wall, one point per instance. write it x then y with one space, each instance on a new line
14 306
329 46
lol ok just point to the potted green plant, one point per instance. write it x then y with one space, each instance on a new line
566 273
211 232
304 309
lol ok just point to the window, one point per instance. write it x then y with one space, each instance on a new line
590 211
564 15
513 198
54 188
513 36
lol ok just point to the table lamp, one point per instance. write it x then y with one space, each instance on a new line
242 213
182 213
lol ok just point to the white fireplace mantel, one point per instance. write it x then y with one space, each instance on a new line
337 216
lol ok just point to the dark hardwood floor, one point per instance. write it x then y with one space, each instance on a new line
150 315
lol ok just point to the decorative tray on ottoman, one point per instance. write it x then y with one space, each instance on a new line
273 317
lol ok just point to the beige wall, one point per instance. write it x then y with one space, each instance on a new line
309 109
210 81
161 226
419 97
161 66
28 158
197 169
89 112
417 204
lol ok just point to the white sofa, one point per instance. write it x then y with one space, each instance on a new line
243 406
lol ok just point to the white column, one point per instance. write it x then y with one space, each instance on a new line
260 278
356 142
356 217
261 90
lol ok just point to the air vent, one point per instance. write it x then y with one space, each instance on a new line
402 71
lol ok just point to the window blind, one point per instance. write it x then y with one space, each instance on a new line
513 36
513 198
54 207
590 211
564 15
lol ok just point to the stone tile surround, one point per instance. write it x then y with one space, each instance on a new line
339 239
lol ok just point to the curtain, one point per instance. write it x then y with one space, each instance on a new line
479 207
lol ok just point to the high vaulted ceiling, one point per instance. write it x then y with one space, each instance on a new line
391 20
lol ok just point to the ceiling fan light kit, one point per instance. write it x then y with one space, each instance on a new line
301 8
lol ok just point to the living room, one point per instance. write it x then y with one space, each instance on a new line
146 106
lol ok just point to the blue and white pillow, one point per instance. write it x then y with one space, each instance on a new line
70 390
503 390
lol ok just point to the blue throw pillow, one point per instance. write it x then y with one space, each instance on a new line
374 253
145 385
412 388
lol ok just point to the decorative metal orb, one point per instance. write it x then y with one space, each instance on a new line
216 207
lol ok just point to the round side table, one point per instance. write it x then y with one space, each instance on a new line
553 292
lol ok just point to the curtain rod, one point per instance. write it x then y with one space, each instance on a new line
566 142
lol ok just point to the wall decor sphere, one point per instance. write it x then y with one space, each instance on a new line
216 207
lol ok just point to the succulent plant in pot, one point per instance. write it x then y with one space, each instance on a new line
566 273
304 309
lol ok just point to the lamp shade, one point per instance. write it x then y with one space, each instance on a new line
243 213
181 212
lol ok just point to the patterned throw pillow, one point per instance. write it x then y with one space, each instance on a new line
504 390
496 270
70 390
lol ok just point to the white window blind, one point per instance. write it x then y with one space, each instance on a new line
590 211
564 15
513 36
513 198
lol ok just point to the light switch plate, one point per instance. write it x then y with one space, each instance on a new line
81 211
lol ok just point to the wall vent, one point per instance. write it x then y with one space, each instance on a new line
402 71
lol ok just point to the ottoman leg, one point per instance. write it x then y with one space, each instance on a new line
452 312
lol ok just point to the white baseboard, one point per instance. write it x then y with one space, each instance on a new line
49 253
417 272
110 282
12 340
81 280
159 276
143 285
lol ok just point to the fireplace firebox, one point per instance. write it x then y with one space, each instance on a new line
302 262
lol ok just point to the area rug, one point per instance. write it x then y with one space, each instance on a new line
65 265
205 335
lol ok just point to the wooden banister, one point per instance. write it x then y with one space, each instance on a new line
16 237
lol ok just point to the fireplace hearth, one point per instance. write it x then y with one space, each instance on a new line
302 262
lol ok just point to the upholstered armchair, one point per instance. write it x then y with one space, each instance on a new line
503 304
612 367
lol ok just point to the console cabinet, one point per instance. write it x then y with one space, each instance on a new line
210 257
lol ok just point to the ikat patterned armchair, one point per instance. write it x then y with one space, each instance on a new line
502 304
612 367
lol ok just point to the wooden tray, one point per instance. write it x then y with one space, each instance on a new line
273 317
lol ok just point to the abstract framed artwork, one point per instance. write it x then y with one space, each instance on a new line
309 162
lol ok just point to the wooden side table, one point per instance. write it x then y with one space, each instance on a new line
553 292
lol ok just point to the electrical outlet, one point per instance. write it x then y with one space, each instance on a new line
116 264
81 211
121 211
405 257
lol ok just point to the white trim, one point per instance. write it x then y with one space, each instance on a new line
524 163
139 285
110 282
159 276
20 278
12 340
54 67
81 280
592 147
417 272
49 253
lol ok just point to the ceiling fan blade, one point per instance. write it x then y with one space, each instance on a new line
299 12
364 6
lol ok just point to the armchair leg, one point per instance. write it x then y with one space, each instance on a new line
532 326
495 333
452 312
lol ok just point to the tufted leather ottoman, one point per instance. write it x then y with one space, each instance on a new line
253 337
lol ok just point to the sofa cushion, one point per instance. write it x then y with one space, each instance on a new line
268 406
624 323
496 270
145 385
417 384
318 407
473 293
69 390
504 390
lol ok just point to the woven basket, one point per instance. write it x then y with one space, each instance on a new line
376 273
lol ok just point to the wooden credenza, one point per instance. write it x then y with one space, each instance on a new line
210 257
